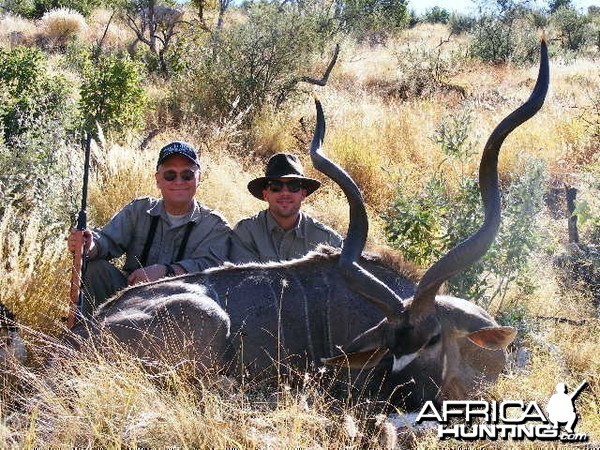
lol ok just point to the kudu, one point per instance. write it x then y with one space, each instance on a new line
347 308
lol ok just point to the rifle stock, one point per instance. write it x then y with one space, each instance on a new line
80 257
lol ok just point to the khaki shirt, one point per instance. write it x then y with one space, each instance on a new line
127 232
260 238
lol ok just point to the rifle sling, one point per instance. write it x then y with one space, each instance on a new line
150 239
186 236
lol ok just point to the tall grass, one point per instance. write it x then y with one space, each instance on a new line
34 272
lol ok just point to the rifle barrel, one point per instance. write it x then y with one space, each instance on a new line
80 256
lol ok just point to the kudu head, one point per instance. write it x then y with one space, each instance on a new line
438 347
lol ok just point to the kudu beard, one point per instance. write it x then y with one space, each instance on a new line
472 420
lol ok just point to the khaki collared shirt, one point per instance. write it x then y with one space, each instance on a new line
261 239
127 232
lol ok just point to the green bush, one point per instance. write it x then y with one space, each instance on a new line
35 9
252 64
30 97
426 225
437 15
373 20
461 23
84 7
112 94
505 32
36 122
572 28
24 8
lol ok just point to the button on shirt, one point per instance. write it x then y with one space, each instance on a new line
261 239
127 232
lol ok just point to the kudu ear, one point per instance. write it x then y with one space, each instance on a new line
357 360
493 338
365 351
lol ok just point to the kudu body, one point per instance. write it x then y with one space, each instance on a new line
404 342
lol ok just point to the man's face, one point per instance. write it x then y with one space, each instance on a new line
177 178
283 203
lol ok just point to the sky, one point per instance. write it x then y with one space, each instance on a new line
466 6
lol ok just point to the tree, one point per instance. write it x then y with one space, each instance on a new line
554 5
30 97
372 16
112 95
573 29
437 15
505 31
156 26
259 62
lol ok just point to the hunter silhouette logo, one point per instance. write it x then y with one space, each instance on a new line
561 407
509 419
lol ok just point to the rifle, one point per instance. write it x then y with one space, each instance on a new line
80 256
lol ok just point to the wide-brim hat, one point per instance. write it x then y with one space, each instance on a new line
178 148
282 165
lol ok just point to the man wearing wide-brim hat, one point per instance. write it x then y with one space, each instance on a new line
282 231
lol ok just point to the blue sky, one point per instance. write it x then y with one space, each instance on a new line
466 6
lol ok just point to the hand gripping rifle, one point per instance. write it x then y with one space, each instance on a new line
80 256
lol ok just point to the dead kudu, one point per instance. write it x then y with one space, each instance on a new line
402 342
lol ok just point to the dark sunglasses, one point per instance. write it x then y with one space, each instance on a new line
292 186
186 175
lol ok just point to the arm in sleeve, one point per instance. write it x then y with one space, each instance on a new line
112 240
335 240
243 248
212 249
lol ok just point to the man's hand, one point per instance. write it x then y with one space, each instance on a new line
150 273
78 238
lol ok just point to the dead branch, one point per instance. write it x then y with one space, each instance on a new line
325 77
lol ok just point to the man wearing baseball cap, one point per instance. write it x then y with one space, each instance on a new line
160 237
282 231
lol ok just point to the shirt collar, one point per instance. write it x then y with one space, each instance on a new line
158 209
273 225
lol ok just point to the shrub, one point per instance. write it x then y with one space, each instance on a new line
578 269
17 30
62 24
373 20
505 32
421 73
36 116
426 225
112 95
84 7
461 23
24 8
437 15
31 97
572 28
252 64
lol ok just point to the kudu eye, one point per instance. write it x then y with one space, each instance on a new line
434 340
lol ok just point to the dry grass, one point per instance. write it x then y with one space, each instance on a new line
106 399
61 24
34 274
105 26
15 30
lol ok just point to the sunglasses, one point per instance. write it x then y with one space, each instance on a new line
277 186
186 175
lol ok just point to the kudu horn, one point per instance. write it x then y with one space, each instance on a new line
473 248
360 280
